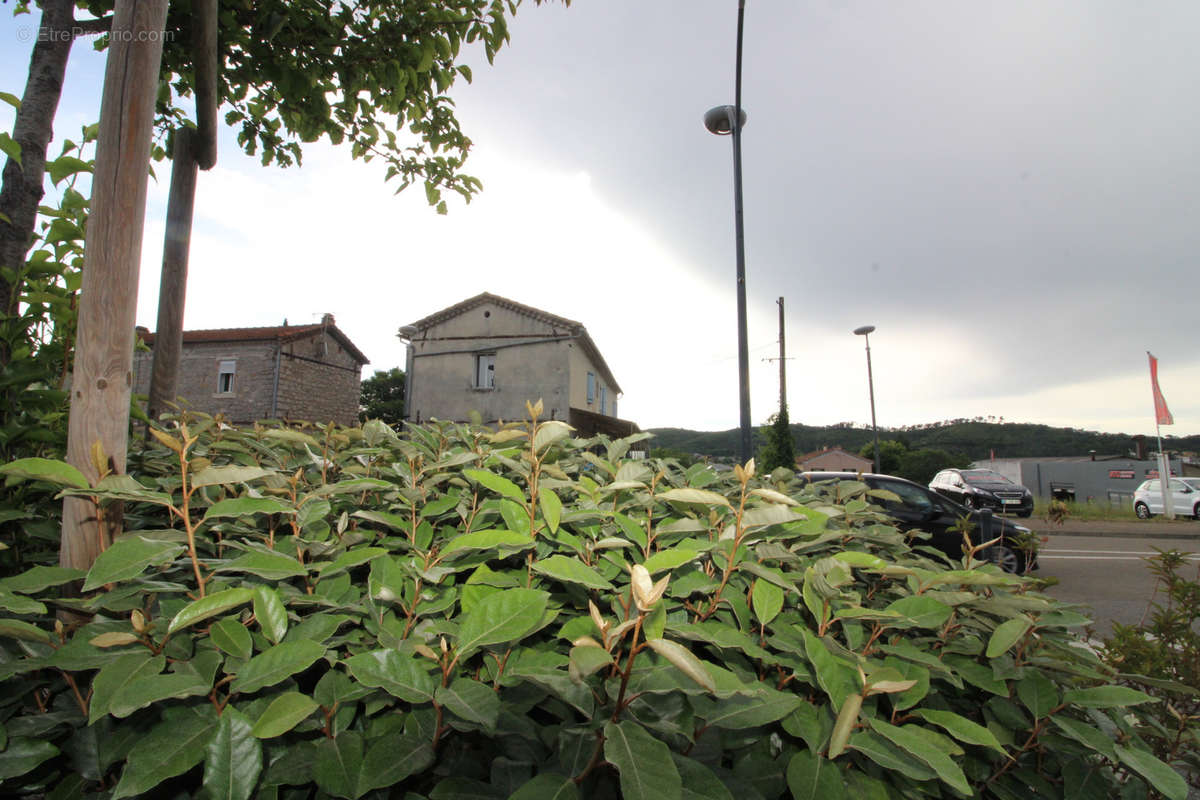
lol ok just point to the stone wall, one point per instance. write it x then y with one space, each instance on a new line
318 382
253 383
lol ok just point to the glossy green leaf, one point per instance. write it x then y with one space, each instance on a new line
506 617
887 755
550 432
1085 734
670 559
1006 635
210 606
246 507
125 671
643 762
45 469
472 701
700 496
585 660
23 755
1165 780
925 612
231 637
698 781
961 728
397 674
338 764
1106 697
231 473
551 508
128 557
766 600
546 786
684 661
846 720
284 713
746 711
837 678
23 631
391 759
916 741
276 664
811 777
271 615
570 570
40 577
1038 693
172 747
497 483
488 540
233 759
272 565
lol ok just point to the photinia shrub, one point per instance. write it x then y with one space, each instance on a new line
466 612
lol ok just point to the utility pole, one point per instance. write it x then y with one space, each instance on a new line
782 362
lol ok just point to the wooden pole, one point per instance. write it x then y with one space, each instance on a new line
103 378
193 148
172 287
204 56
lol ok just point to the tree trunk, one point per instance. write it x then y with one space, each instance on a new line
33 127
172 286
103 377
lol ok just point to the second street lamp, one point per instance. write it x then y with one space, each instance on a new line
865 331
726 120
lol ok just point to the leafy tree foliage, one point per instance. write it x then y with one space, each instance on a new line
920 465
778 450
518 613
383 397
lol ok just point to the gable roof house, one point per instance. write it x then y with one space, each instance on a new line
833 460
294 372
489 355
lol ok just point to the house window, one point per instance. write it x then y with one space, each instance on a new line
225 372
485 371
591 387
603 399
614 407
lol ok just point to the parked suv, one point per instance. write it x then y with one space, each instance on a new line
983 488
1185 498
922 509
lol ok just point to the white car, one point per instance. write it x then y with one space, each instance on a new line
1185 498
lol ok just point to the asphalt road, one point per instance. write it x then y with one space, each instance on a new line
1102 565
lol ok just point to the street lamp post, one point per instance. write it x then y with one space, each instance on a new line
865 331
723 121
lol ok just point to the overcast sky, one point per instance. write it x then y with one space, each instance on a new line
1009 191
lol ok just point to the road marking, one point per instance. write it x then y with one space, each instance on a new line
1131 557
1109 552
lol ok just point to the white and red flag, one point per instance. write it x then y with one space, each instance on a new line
1162 414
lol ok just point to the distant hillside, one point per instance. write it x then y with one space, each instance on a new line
972 438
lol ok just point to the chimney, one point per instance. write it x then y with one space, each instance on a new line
327 320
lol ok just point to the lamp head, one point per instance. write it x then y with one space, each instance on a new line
719 120
864 330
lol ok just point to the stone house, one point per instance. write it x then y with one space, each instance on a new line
488 355
291 372
833 459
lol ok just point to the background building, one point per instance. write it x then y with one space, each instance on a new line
489 355
1105 479
294 372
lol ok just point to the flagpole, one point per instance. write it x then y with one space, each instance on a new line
1164 465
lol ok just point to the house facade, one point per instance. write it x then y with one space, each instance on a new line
489 355
833 459
292 372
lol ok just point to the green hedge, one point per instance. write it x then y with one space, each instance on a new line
517 613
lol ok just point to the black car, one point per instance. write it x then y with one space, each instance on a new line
921 509
983 488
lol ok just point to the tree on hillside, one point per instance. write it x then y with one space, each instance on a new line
383 397
779 450
891 455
